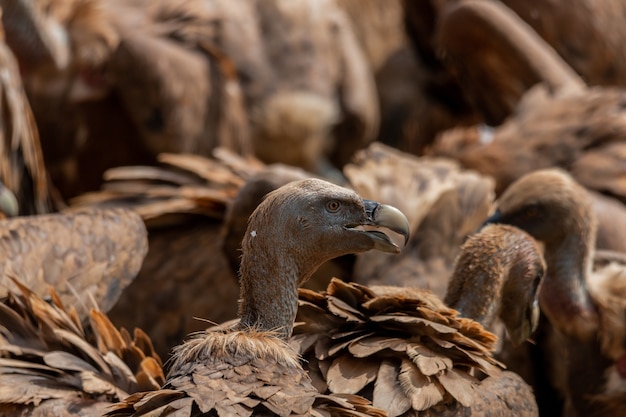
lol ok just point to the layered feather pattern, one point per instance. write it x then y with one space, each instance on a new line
239 373
403 348
51 364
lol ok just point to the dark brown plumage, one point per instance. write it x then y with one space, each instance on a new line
580 347
413 355
88 255
54 364
249 368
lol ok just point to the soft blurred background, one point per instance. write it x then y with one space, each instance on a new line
179 108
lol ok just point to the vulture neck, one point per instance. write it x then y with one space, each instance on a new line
564 296
269 280
477 283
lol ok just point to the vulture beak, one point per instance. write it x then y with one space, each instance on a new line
496 217
8 203
382 215
528 326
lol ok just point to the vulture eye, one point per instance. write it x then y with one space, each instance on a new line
532 212
333 206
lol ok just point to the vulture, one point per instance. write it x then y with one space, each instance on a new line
52 363
580 349
90 254
446 204
247 367
414 355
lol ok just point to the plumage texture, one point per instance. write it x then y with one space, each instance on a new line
403 348
52 364
91 254
230 373
456 78
579 133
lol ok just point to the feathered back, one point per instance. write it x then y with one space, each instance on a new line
239 373
50 364
90 253
406 351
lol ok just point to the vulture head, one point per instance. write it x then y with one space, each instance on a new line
498 273
549 205
293 231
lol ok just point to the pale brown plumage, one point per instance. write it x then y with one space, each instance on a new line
580 348
92 254
560 122
413 355
52 363
589 36
249 368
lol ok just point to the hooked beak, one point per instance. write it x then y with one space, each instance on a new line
496 217
522 333
382 215
8 203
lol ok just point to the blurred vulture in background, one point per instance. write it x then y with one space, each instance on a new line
559 122
485 82
86 256
284 80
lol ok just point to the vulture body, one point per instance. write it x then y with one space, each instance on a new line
54 364
182 202
580 352
413 355
91 254
248 368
